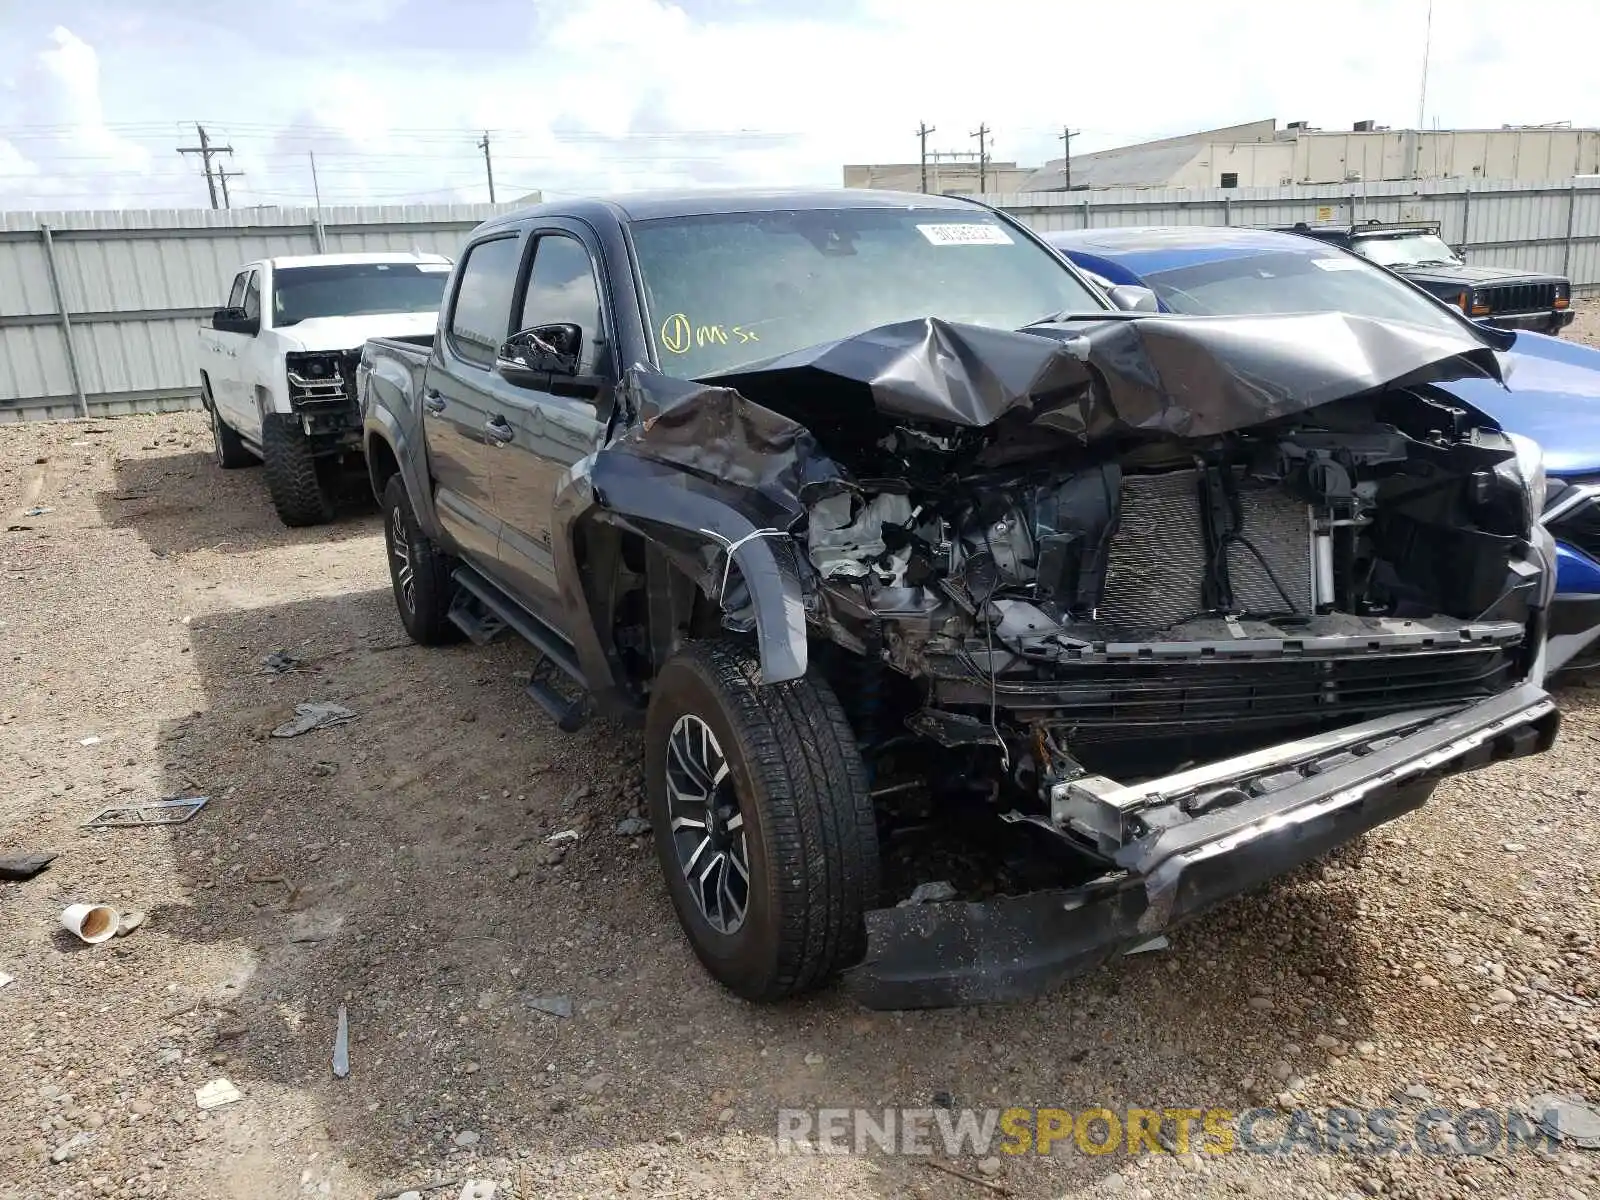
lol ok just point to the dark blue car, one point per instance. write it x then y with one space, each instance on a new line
1551 392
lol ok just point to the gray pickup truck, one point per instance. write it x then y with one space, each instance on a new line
921 561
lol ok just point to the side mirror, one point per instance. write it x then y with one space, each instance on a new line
234 320
1130 297
531 358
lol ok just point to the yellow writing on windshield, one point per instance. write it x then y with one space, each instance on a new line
679 334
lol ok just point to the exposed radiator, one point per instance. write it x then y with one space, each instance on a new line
1158 556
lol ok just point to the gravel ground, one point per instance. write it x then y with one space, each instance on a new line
397 865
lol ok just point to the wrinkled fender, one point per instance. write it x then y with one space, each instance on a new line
693 526
388 390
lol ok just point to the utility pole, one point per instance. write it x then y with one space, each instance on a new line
488 164
222 178
1067 134
982 134
923 130
316 189
205 150
1427 48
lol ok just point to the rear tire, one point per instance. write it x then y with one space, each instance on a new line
230 448
418 569
301 484
789 817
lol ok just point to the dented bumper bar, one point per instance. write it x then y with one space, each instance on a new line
1318 794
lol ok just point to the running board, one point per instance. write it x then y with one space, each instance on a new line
483 610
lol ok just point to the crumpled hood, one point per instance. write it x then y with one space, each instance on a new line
1551 394
764 431
348 333
1156 376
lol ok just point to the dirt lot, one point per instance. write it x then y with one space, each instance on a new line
1450 959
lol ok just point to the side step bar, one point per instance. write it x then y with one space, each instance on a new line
482 610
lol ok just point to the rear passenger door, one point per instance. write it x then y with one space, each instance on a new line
548 431
457 392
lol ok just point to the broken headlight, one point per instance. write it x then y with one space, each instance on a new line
1526 470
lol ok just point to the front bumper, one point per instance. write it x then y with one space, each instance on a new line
1547 320
1192 840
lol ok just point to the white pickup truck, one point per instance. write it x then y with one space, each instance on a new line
277 364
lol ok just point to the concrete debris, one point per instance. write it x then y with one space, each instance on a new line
217 1093
71 1148
632 827
478 1189
931 893
131 920
566 835
318 714
92 740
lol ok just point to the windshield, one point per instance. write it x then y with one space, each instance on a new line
1412 250
356 290
734 288
1313 279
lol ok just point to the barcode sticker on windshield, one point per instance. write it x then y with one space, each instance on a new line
1338 264
953 234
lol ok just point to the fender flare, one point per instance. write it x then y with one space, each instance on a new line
694 526
381 425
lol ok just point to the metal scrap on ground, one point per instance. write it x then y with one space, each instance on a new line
556 1006
341 1045
318 714
174 810
279 661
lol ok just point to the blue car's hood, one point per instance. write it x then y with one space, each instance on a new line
1551 394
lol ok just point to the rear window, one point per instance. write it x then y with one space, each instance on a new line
1307 279
356 290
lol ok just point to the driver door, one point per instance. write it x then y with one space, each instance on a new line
222 364
544 433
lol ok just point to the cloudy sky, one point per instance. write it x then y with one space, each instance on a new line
585 95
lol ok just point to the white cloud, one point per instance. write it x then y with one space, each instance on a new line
609 94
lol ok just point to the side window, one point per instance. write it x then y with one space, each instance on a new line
481 315
562 289
236 295
252 296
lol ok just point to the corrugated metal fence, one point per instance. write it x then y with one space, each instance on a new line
98 310
1530 226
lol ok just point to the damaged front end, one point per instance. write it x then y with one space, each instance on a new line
1149 610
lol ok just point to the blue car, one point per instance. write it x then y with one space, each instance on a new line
1551 391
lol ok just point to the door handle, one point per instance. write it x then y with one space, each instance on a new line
433 401
499 431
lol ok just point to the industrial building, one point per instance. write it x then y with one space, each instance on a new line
948 174
1259 154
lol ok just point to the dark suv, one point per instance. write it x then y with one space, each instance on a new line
1499 296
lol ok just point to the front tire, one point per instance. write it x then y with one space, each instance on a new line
762 820
230 448
418 569
302 485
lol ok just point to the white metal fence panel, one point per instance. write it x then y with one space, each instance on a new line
99 310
